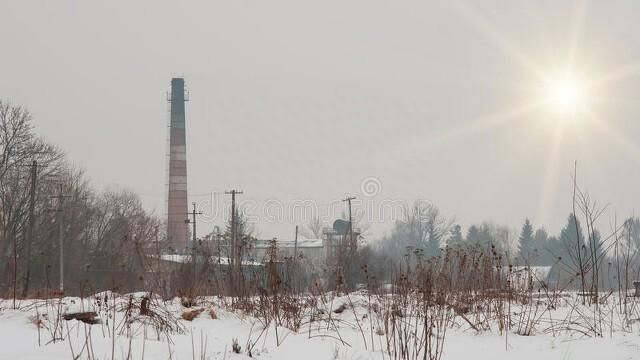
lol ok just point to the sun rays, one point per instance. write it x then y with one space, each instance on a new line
564 101
565 94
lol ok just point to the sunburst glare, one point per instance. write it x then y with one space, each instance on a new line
565 94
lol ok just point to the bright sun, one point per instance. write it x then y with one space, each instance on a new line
565 95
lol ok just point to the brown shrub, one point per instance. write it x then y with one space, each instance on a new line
189 315
212 314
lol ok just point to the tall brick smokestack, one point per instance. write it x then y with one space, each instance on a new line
177 194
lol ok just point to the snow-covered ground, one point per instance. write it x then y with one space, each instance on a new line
352 327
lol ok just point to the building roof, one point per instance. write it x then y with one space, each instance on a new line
183 259
302 243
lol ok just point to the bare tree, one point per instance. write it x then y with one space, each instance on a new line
313 230
423 229
19 146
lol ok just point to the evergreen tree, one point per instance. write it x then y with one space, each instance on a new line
526 246
456 238
596 247
573 248
484 235
551 251
243 235
473 235
570 253
540 242
540 238
432 247
241 226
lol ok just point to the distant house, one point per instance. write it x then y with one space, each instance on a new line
186 259
336 243
312 249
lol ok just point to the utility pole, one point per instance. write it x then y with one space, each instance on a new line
234 225
351 242
30 229
295 246
26 259
194 213
60 211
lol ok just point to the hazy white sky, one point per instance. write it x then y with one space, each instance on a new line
300 100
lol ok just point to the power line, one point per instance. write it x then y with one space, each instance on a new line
193 222
60 211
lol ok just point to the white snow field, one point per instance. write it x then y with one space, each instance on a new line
353 326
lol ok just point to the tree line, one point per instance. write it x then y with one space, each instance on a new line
580 255
48 206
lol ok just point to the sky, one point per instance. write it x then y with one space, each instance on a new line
301 104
